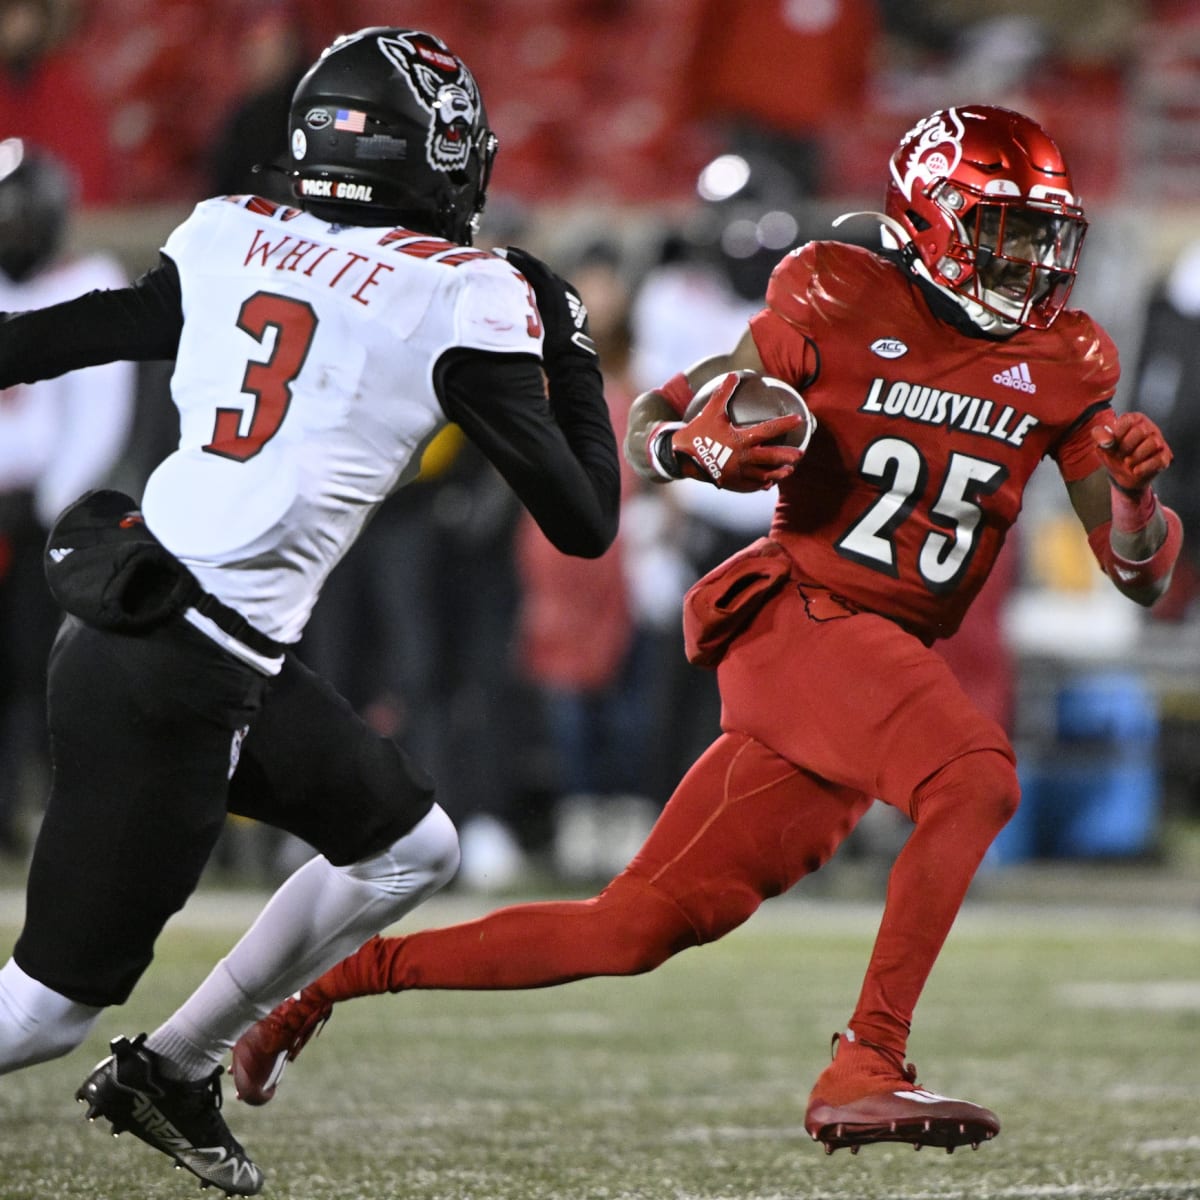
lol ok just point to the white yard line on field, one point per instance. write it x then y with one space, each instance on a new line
1164 995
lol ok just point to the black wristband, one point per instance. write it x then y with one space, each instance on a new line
662 457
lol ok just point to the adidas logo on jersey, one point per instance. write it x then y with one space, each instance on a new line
712 454
1016 377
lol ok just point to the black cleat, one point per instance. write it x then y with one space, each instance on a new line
181 1119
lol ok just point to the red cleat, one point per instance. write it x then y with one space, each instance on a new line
889 1110
262 1052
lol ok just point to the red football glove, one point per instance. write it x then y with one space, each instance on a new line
1133 449
734 457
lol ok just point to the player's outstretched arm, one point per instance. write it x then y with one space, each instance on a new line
1135 537
138 323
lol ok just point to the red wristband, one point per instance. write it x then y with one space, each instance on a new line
1149 572
1133 511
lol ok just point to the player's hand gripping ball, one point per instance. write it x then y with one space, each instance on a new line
744 431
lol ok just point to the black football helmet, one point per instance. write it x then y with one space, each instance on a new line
35 200
388 128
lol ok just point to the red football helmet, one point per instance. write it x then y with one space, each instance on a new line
985 201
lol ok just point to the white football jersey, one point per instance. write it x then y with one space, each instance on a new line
304 383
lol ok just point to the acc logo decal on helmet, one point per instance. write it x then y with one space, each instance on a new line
444 88
937 151
317 118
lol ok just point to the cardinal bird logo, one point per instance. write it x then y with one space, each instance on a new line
936 151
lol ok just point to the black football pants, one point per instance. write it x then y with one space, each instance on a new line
144 734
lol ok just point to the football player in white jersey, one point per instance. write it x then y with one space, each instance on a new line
317 350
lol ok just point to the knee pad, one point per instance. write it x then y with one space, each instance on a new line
416 865
982 785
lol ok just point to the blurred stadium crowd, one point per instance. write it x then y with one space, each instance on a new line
663 154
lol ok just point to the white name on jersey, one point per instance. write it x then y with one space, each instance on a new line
315 260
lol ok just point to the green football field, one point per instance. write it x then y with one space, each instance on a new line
1081 1028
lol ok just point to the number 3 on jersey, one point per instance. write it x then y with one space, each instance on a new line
270 381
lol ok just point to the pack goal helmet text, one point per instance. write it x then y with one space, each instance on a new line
987 211
388 128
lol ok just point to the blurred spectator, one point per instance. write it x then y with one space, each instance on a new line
711 277
414 630
785 77
46 96
1164 383
685 306
57 439
1036 56
577 637
272 56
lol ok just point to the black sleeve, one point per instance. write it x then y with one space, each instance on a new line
136 323
568 478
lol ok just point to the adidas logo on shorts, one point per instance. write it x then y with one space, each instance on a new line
1017 378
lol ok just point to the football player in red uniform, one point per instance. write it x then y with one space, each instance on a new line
940 372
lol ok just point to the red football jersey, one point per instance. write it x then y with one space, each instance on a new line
926 436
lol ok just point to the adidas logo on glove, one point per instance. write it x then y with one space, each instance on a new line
712 454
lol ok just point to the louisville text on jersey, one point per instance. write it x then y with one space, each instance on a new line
954 410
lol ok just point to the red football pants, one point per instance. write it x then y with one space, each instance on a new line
853 696
743 825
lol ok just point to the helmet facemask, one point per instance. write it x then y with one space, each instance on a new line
981 205
1014 258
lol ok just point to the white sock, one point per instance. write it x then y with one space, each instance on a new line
36 1023
318 916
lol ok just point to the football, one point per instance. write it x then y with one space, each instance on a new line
759 398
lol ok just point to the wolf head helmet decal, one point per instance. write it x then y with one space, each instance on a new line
444 87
